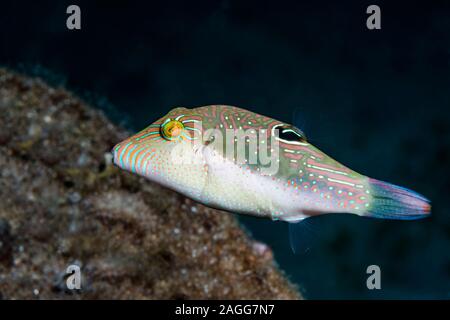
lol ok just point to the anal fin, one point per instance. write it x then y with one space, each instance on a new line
303 234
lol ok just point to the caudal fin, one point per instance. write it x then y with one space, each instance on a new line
393 202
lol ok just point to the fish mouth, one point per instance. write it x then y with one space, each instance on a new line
394 202
135 157
121 154
114 153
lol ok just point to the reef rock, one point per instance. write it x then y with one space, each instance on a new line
63 203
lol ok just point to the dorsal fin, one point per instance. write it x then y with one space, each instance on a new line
289 133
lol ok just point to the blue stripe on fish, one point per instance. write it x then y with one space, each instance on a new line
143 157
127 159
133 160
123 153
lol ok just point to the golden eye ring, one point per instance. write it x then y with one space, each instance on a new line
172 129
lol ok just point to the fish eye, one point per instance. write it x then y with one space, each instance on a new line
171 129
291 133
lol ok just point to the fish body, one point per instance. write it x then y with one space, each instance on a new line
239 161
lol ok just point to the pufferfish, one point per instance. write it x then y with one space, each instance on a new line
242 162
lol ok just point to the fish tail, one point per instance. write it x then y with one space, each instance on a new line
393 202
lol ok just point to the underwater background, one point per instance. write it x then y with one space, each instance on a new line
377 101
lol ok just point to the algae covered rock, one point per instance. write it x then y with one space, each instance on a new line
63 203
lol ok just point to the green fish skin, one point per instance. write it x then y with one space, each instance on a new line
242 162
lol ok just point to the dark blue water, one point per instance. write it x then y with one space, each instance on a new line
377 101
